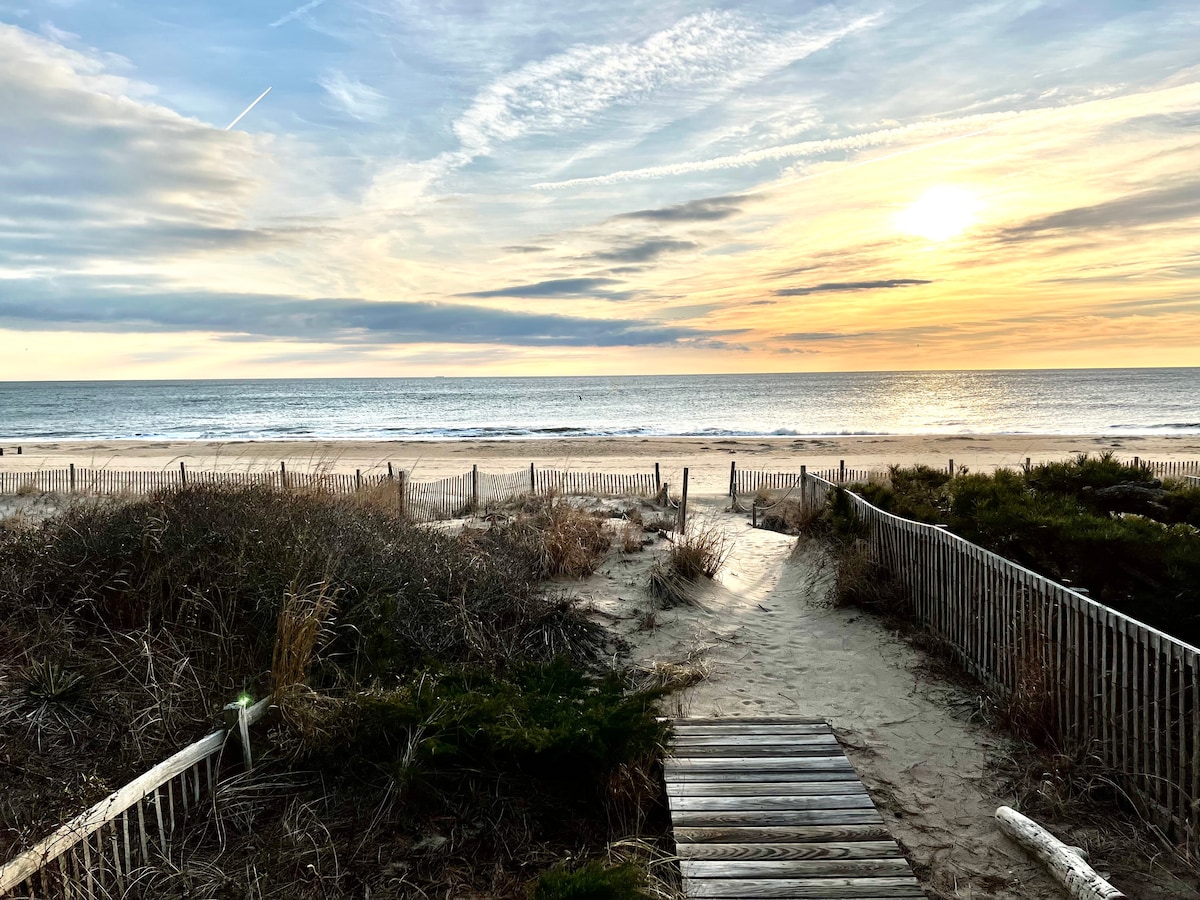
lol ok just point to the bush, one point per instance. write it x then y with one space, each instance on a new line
592 881
1051 520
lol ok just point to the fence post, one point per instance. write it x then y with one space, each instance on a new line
283 475
182 473
402 496
475 488
235 717
1028 464
72 478
681 525
18 451
532 480
841 471
390 475
358 479
732 477
754 513
951 469
657 479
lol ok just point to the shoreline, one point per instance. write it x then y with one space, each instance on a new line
708 458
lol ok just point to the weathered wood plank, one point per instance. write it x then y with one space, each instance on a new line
759 764
827 850
763 789
683 739
794 868
749 720
785 776
800 888
762 818
766 730
750 804
796 834
742 751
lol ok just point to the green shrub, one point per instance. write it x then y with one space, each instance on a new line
592 881
1050 520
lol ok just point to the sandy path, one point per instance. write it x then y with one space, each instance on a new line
775 647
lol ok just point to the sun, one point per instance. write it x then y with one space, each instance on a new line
940 213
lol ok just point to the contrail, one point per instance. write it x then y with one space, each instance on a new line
247 109
296 13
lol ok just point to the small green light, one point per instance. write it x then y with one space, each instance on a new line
245 700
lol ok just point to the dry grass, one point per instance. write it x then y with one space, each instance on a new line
303 617
864 583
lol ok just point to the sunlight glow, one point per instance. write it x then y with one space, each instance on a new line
940 213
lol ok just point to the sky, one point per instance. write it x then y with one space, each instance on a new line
497 187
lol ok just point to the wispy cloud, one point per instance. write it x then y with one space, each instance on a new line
1175 202
840 286
709 209
644 251
359 101
882 138
557 287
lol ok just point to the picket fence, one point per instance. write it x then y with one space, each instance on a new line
1122 689
98 853
422 500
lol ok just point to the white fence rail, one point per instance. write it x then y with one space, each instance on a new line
97 854
1125 690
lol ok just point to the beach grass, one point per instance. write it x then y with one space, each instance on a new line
444 722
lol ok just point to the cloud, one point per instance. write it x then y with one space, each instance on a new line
79 306
557 287
712 53
525 248
830 287
90 169
808 337
357 100
676 71
1175 202
643 251
709 209
962 126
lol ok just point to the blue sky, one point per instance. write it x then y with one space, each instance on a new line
445 188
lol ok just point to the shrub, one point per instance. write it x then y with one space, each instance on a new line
591 881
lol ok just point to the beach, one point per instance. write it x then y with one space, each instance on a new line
707 459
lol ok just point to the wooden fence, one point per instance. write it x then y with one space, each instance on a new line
98 853
422 500
1116 686
743 481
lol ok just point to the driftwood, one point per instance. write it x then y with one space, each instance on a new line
1066 864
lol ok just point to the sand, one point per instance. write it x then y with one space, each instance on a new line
707 459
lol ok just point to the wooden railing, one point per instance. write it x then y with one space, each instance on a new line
98 853
1123 690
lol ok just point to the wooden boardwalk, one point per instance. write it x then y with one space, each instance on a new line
771 807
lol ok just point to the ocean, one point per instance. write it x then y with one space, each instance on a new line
1069 401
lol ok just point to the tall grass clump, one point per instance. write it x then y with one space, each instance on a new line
697 553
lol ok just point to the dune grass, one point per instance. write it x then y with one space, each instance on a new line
445 726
